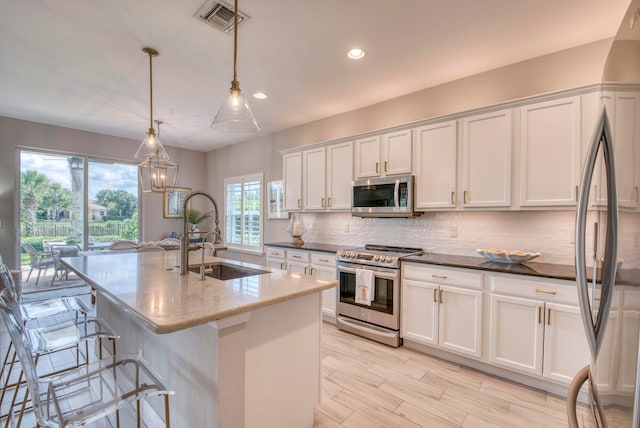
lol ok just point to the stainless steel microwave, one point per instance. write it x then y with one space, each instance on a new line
383 197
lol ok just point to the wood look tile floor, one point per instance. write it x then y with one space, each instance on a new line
369 385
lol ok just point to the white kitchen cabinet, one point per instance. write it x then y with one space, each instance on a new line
339 176
436 311
292 181
314 179
486 160
323 265
434 165
382 155
623 110
630 332
298 261
276 258
536 328
550 163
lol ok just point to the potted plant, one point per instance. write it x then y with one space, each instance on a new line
196 217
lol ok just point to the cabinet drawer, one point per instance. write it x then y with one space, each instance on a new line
298 256
452 276
276 253
323 259
560 291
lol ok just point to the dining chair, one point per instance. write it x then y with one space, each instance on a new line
169 242
38 260
83 395
58 252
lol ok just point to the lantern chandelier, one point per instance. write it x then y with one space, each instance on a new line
234 115
156 172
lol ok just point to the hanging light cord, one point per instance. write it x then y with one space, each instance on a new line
235 45
150 90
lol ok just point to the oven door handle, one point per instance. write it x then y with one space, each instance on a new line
377 273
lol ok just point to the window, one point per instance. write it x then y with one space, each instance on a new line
243 212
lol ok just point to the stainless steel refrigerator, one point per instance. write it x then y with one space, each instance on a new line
606 393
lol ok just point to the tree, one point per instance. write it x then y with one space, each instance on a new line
119 203
32 185
53 200
129 228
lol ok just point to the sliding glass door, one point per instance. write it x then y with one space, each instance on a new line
74 199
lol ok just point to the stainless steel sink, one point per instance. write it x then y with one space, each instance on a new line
224 272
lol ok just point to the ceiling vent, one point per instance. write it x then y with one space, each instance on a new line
219 15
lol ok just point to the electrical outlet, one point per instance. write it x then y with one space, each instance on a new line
313 227
346 227
454 232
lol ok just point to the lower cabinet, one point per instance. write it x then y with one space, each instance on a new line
447 316
319 264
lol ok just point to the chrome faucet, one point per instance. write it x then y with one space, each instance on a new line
184 241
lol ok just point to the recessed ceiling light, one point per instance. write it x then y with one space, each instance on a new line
260 95
356 53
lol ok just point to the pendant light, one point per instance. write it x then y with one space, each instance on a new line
235 114
156 173
151 145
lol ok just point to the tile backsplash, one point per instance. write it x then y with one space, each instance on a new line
550 233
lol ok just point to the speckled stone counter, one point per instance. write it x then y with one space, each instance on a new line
140 280
544 270
309 246
211 340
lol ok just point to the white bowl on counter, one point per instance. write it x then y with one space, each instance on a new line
507 256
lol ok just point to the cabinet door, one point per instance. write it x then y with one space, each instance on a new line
277 264
629 351
460 320
328 296
339 176
517 333
419 312
625 128
435 165
297 267
313 179
292 178
486 160
550 139
396 153
565 345
367 157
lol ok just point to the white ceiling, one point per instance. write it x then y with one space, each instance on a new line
79 63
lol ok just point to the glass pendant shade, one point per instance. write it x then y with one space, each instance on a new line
151 146
234 115
157 174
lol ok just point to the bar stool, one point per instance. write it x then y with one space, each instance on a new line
82 395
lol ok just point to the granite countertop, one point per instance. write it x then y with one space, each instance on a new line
149 286
310 246
532 268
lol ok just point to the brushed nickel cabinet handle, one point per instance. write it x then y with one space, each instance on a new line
282 265
453 195
305 270
435 295
322 203
637 196
539 314
296 257
299 203
323 260
377 167
577 191
385 166
311 271
540 290
548 316
330 202
441 299
464 196
438 276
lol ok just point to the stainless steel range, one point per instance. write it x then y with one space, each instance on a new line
369 292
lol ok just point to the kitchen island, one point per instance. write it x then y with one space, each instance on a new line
238 352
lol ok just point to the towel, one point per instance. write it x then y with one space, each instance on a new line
364 286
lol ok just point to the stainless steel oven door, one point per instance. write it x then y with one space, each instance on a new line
385 302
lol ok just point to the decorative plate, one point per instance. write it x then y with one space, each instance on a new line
507 256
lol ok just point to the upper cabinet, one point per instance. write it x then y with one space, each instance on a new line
435 165
550 164
292 178
486 160
382 155
319 179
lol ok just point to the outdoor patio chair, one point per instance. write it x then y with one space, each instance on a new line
59 251
38 261
123 245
